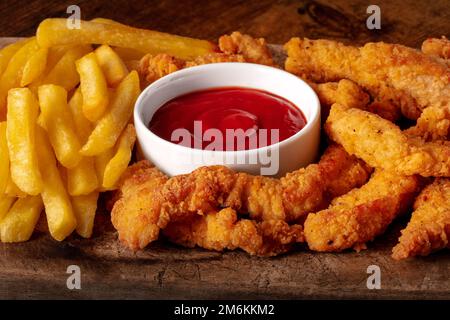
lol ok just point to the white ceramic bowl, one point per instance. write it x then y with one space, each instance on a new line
295 152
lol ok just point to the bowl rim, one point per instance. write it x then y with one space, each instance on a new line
139 105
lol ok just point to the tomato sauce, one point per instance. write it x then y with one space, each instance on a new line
225 109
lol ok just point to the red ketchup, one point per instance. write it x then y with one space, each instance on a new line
209 119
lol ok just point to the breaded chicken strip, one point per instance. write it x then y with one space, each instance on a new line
349 94
222 230
437 47
149 201
135 214
151 67
362 214
381 144
312 188
429 227
253 50
402 75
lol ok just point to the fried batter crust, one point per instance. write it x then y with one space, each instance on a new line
429 227
381 144
362 214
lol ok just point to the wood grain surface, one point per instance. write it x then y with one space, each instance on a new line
37 269
402 21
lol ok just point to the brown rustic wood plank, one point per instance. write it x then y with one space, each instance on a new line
403 21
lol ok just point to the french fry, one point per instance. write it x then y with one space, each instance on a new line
56 53
20 133
64 73
4 158
82 179
34 67
5 205
110 126
112 66
93 87
127 54
60 125
82 124
101 161
8 52
84 208
119 162
18 224
108 21
58 208
13 72
55 32
12 190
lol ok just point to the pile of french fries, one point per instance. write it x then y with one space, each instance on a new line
66 132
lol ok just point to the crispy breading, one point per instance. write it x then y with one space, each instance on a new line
381 144
253 50
349 94
312 188
362 214
222 230
405 76
151 68
438 47
429 227
149 201
135 213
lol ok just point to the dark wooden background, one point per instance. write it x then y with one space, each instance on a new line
37 268
403 21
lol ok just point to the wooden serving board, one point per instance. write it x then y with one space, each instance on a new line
38 269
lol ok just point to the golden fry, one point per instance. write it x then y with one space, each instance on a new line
13 73
18 224
55 32
119 163
110 126
5 204
93 87
101 161
4 158
84 208
8 52
21 129
60 125
111 64
58 208
82 179
127 54
34 67
12 190
64 73
82 124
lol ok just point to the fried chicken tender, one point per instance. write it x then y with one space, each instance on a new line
222 230
135 213
429 227
151 67
151 205
362 214
253 50
437 47
390 72
349 94
381 144
312 188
